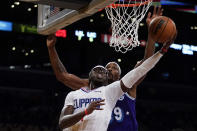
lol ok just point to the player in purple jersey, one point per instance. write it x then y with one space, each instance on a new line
75 82
124 113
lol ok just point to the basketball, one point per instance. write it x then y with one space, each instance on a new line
162 29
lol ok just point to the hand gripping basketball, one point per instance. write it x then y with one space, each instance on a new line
166 45
161 29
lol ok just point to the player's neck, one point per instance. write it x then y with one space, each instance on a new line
94 85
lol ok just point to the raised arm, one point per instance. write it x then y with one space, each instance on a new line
60 71
134 75
150 46
149 50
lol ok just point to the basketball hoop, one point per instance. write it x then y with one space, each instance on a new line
125 22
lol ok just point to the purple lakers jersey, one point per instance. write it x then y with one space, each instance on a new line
124 115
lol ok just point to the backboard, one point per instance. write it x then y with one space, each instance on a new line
56 14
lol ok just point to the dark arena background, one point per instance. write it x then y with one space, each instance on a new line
31 98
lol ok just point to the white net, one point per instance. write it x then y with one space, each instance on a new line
125 20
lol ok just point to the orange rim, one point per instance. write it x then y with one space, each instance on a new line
128 5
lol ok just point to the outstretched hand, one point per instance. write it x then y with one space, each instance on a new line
166 45
158 11
51 40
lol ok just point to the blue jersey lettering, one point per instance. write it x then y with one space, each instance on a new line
84 102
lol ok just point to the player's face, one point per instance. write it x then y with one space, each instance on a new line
99 75
113 72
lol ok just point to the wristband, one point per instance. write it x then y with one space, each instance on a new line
86 112
163 50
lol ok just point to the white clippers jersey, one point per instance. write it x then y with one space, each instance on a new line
99 119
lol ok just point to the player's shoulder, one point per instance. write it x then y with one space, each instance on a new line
70 93
75 92
129 97
116 83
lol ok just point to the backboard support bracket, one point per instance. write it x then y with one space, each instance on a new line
67 16
67 4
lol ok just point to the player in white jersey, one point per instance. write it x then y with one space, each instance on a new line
86 105
114 69
74 110
97 120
